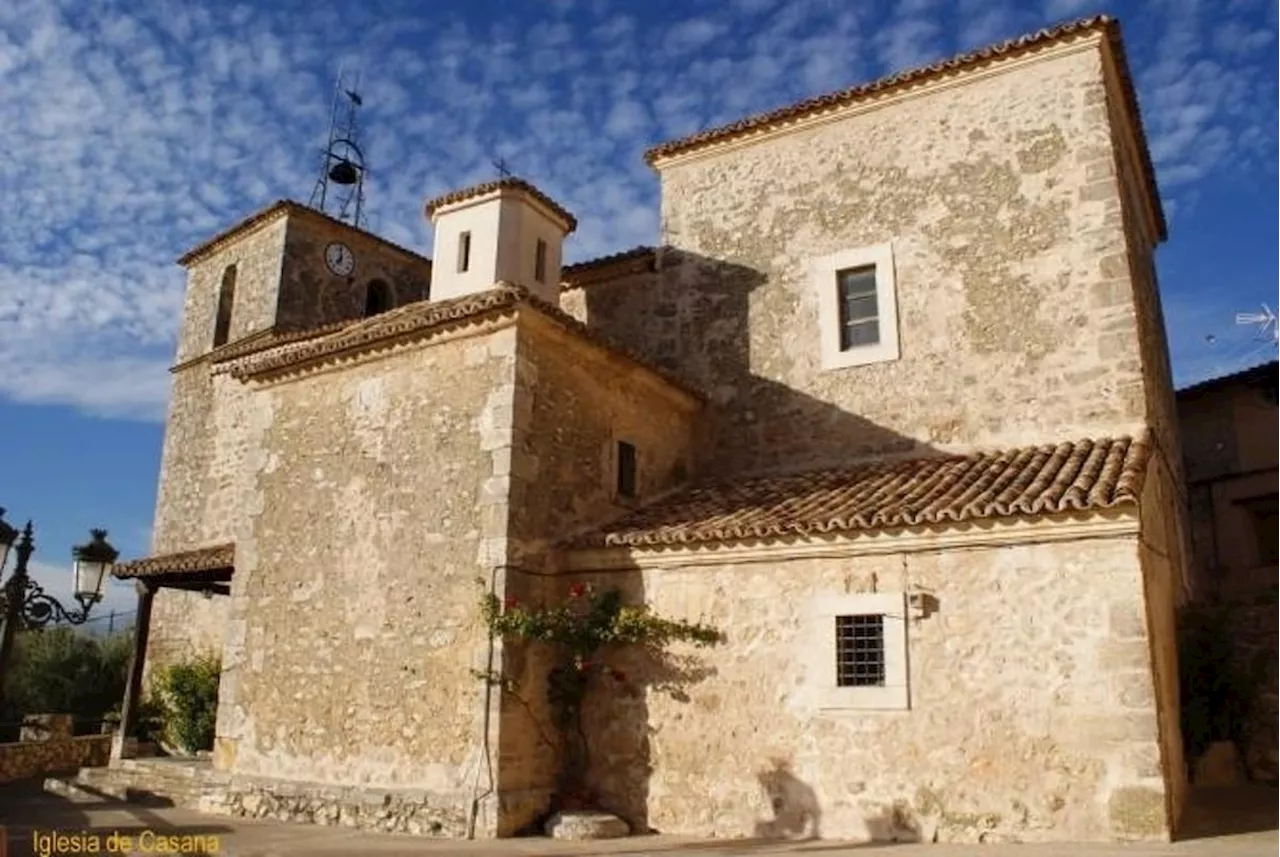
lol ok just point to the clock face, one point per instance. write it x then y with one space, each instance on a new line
340 259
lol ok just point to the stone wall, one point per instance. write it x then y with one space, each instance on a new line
21 760
202 500
258 256
1016 315
1164 563
571 403
1031 715
353 623
1255 643
312 295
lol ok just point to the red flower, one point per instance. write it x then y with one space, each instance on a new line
577 590
510 603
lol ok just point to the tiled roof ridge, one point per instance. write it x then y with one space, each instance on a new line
606 267
858 92
1247 373
416 317
284 206
199 559
426 317
901 80
506 182
1071 476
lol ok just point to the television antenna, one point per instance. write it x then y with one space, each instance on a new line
1264 321
339 191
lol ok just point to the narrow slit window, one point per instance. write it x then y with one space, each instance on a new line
626 469
859 308
464 252
860 651
226 302
540 262
377 298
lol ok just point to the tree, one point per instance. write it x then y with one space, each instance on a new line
60 671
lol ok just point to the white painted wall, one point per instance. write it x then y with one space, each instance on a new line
505 226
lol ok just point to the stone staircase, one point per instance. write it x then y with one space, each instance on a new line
186 783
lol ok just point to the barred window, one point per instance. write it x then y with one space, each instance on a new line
860 651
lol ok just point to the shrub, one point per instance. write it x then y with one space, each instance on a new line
188 695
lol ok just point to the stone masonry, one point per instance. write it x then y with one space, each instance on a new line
376 474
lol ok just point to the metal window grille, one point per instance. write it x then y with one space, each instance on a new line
859 307
860 651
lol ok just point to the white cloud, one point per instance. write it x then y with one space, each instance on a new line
133 130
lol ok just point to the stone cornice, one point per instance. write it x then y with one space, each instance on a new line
984 533
274 212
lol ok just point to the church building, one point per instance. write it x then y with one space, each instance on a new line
887 401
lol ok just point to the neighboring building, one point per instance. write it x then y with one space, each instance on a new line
1229 428
890 405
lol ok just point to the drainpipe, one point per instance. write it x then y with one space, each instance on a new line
484 738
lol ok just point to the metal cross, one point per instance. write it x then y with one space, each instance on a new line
501 165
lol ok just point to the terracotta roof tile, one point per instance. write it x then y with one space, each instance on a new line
228 356
1262 373
608 267
905 79
423 318
215 558
1039 480
279 208
507 182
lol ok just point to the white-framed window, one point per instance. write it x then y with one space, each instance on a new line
857 306
860 660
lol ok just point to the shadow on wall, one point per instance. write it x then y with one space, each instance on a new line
693 317
616 717
796 813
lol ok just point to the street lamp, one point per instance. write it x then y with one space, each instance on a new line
24 601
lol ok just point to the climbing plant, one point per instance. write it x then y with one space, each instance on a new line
577 630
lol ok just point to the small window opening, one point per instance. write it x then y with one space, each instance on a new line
626 469
859 312
226 301
860 651
540 262
464 252
377 298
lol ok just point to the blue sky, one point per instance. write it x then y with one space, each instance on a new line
133 129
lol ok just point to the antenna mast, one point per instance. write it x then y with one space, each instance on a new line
1264 321
339 191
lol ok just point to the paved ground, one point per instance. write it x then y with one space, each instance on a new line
1249 815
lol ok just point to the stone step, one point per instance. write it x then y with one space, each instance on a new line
187 787
70 787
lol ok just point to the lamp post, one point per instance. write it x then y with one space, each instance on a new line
24 601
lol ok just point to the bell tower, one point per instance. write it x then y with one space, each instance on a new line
339 191
504 230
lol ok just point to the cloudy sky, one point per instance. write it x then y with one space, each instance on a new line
130 130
